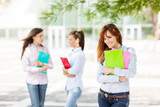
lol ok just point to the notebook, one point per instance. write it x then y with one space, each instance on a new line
44 58
65 63
114 58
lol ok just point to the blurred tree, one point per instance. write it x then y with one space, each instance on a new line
108 9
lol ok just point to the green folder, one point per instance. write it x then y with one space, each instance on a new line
44 58
114 58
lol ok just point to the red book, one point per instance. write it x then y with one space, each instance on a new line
65 63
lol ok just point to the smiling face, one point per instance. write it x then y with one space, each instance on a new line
110 40
73 42
38 39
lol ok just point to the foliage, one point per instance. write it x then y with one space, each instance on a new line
109 9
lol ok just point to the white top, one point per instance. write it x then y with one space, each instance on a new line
77 60
29 57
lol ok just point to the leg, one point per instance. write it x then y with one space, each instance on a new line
72 97
121 102
34 95
67 92
102 101
42 94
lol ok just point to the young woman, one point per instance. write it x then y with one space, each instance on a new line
76 59
114 89
36 81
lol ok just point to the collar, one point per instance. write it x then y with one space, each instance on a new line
35 45
77 49
121 47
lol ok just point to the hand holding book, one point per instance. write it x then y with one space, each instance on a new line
65 72
66 65
44 68
38 63
108 70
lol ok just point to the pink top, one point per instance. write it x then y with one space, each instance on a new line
30 55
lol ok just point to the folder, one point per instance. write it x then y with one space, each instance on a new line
65 63
126 58
44 58
114 58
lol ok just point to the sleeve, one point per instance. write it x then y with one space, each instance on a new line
77 65
50 63
102 78
26 65
131 71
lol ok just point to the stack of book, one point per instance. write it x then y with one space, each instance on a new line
117 58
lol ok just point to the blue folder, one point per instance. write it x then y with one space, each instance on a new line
44 58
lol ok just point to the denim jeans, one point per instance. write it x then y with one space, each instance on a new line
72 96
113 102
37 94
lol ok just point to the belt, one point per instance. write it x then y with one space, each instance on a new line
113 96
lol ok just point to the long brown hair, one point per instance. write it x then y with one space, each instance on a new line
28 40
101 45
79 35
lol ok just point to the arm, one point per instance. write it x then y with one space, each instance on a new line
65 72
26 65
78 63
69 75
102 78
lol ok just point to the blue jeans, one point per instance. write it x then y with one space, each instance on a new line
72 96
37 94
113 102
